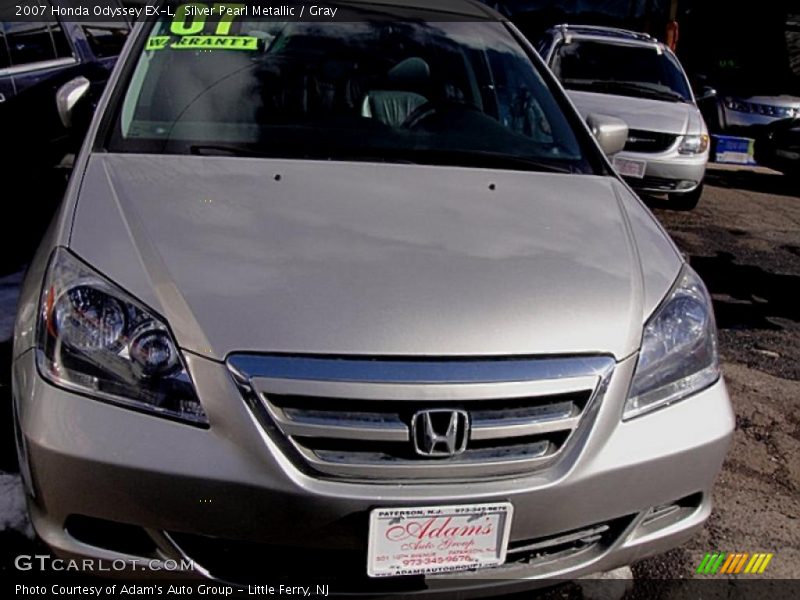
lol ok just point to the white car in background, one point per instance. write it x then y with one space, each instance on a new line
636 78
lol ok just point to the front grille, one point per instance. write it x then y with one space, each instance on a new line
355 419
354 435
649 141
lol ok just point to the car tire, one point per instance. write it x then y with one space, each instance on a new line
687 200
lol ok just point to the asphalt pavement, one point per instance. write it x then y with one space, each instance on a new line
744 240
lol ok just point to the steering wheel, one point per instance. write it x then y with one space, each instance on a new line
436 107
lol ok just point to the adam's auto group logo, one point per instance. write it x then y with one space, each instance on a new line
734 563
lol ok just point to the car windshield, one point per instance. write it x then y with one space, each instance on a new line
443 93
622 69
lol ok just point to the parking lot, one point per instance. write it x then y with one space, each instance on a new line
744 239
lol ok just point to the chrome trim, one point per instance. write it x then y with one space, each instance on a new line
467 465
388 432
38 66
497 432
433 392
454 370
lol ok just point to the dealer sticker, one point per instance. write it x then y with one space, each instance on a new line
437 539
628 167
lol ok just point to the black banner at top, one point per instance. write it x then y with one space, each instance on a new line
131 11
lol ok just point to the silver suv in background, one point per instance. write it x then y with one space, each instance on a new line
361 301
636 78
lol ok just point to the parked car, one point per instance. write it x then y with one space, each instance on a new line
638 79
778 146
36 60
745 115
364 298
749 61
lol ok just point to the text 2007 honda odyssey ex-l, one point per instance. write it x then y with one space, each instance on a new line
360 300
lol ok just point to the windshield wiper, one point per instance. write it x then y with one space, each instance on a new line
227 150
485 159
288 153
434 156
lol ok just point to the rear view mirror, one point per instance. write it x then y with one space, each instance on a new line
67 98
611 133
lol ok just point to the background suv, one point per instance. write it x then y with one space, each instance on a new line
634 77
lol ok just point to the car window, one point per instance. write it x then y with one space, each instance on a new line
641 71
439 93
106 39
32 42
60 41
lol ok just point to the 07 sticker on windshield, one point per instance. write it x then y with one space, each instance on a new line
197 26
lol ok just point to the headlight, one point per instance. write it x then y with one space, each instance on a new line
737 105
693 144
95 339
679 349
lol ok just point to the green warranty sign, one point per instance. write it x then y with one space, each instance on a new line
189 25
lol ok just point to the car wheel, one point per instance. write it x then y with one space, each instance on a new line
686 201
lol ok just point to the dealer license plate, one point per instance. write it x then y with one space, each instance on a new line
627 167
437 539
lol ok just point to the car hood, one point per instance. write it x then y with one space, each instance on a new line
641 113
243 254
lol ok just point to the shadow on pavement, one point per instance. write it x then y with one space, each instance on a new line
752 180
751 295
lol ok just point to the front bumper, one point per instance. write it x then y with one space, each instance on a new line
668 172
83 458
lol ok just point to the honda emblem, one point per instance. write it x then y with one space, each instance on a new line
440 432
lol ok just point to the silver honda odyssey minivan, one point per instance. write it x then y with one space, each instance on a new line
360 300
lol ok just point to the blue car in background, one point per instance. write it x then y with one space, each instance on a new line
39 63
37 59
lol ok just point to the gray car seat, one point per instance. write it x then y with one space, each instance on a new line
394 104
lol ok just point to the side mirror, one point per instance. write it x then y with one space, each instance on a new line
67 98
611 133
706 93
